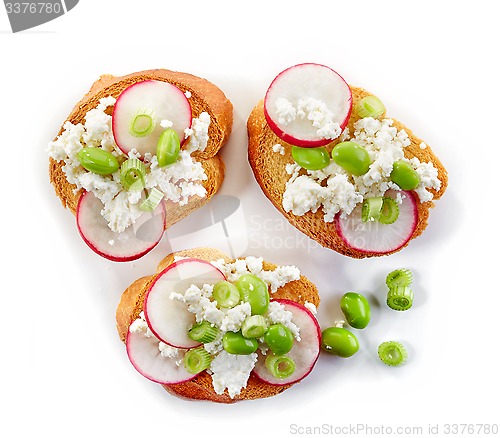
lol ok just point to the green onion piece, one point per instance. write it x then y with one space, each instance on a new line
390 211
153 199
197 360
371 209
399 277
369 106
168 148
203 332
392 353
280 367
132 174
254 326
142 123
226 294
400 298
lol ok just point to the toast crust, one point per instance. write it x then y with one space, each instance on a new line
200 388
269 171
205 97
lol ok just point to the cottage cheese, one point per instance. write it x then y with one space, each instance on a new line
178 181
168 351
311 307
140 326
311 109
276 314
279 148
275 278
231 372
334 190
197 135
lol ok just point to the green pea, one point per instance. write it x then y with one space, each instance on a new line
311 158
404 175
279 338
356 309
97 160
339 341
236 343
352 157
254 291
168 147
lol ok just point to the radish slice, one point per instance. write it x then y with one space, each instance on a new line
374 237
158 100
292 101
146 358
137 240
169 319
304 353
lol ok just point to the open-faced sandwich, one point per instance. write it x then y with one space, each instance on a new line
210 328
341 171
137 154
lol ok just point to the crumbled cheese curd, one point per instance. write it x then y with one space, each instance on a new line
165 124
141 326
197 135
276 314
279 148
311 307
167 350
231 372
311 109
275 279
334 190
178 181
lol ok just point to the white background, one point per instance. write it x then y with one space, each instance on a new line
63 368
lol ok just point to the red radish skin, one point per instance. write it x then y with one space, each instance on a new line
170 320
388 241
309 346
95 232
168 103
281 132
145 356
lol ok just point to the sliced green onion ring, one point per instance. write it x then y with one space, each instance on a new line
226 294
400 298
399 277
392 353
132 174
369 106
390 211
372 209
280 367
142 123
203 332
152 201
254 326
197 360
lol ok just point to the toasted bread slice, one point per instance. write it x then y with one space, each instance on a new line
205 97
269 170
200 388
